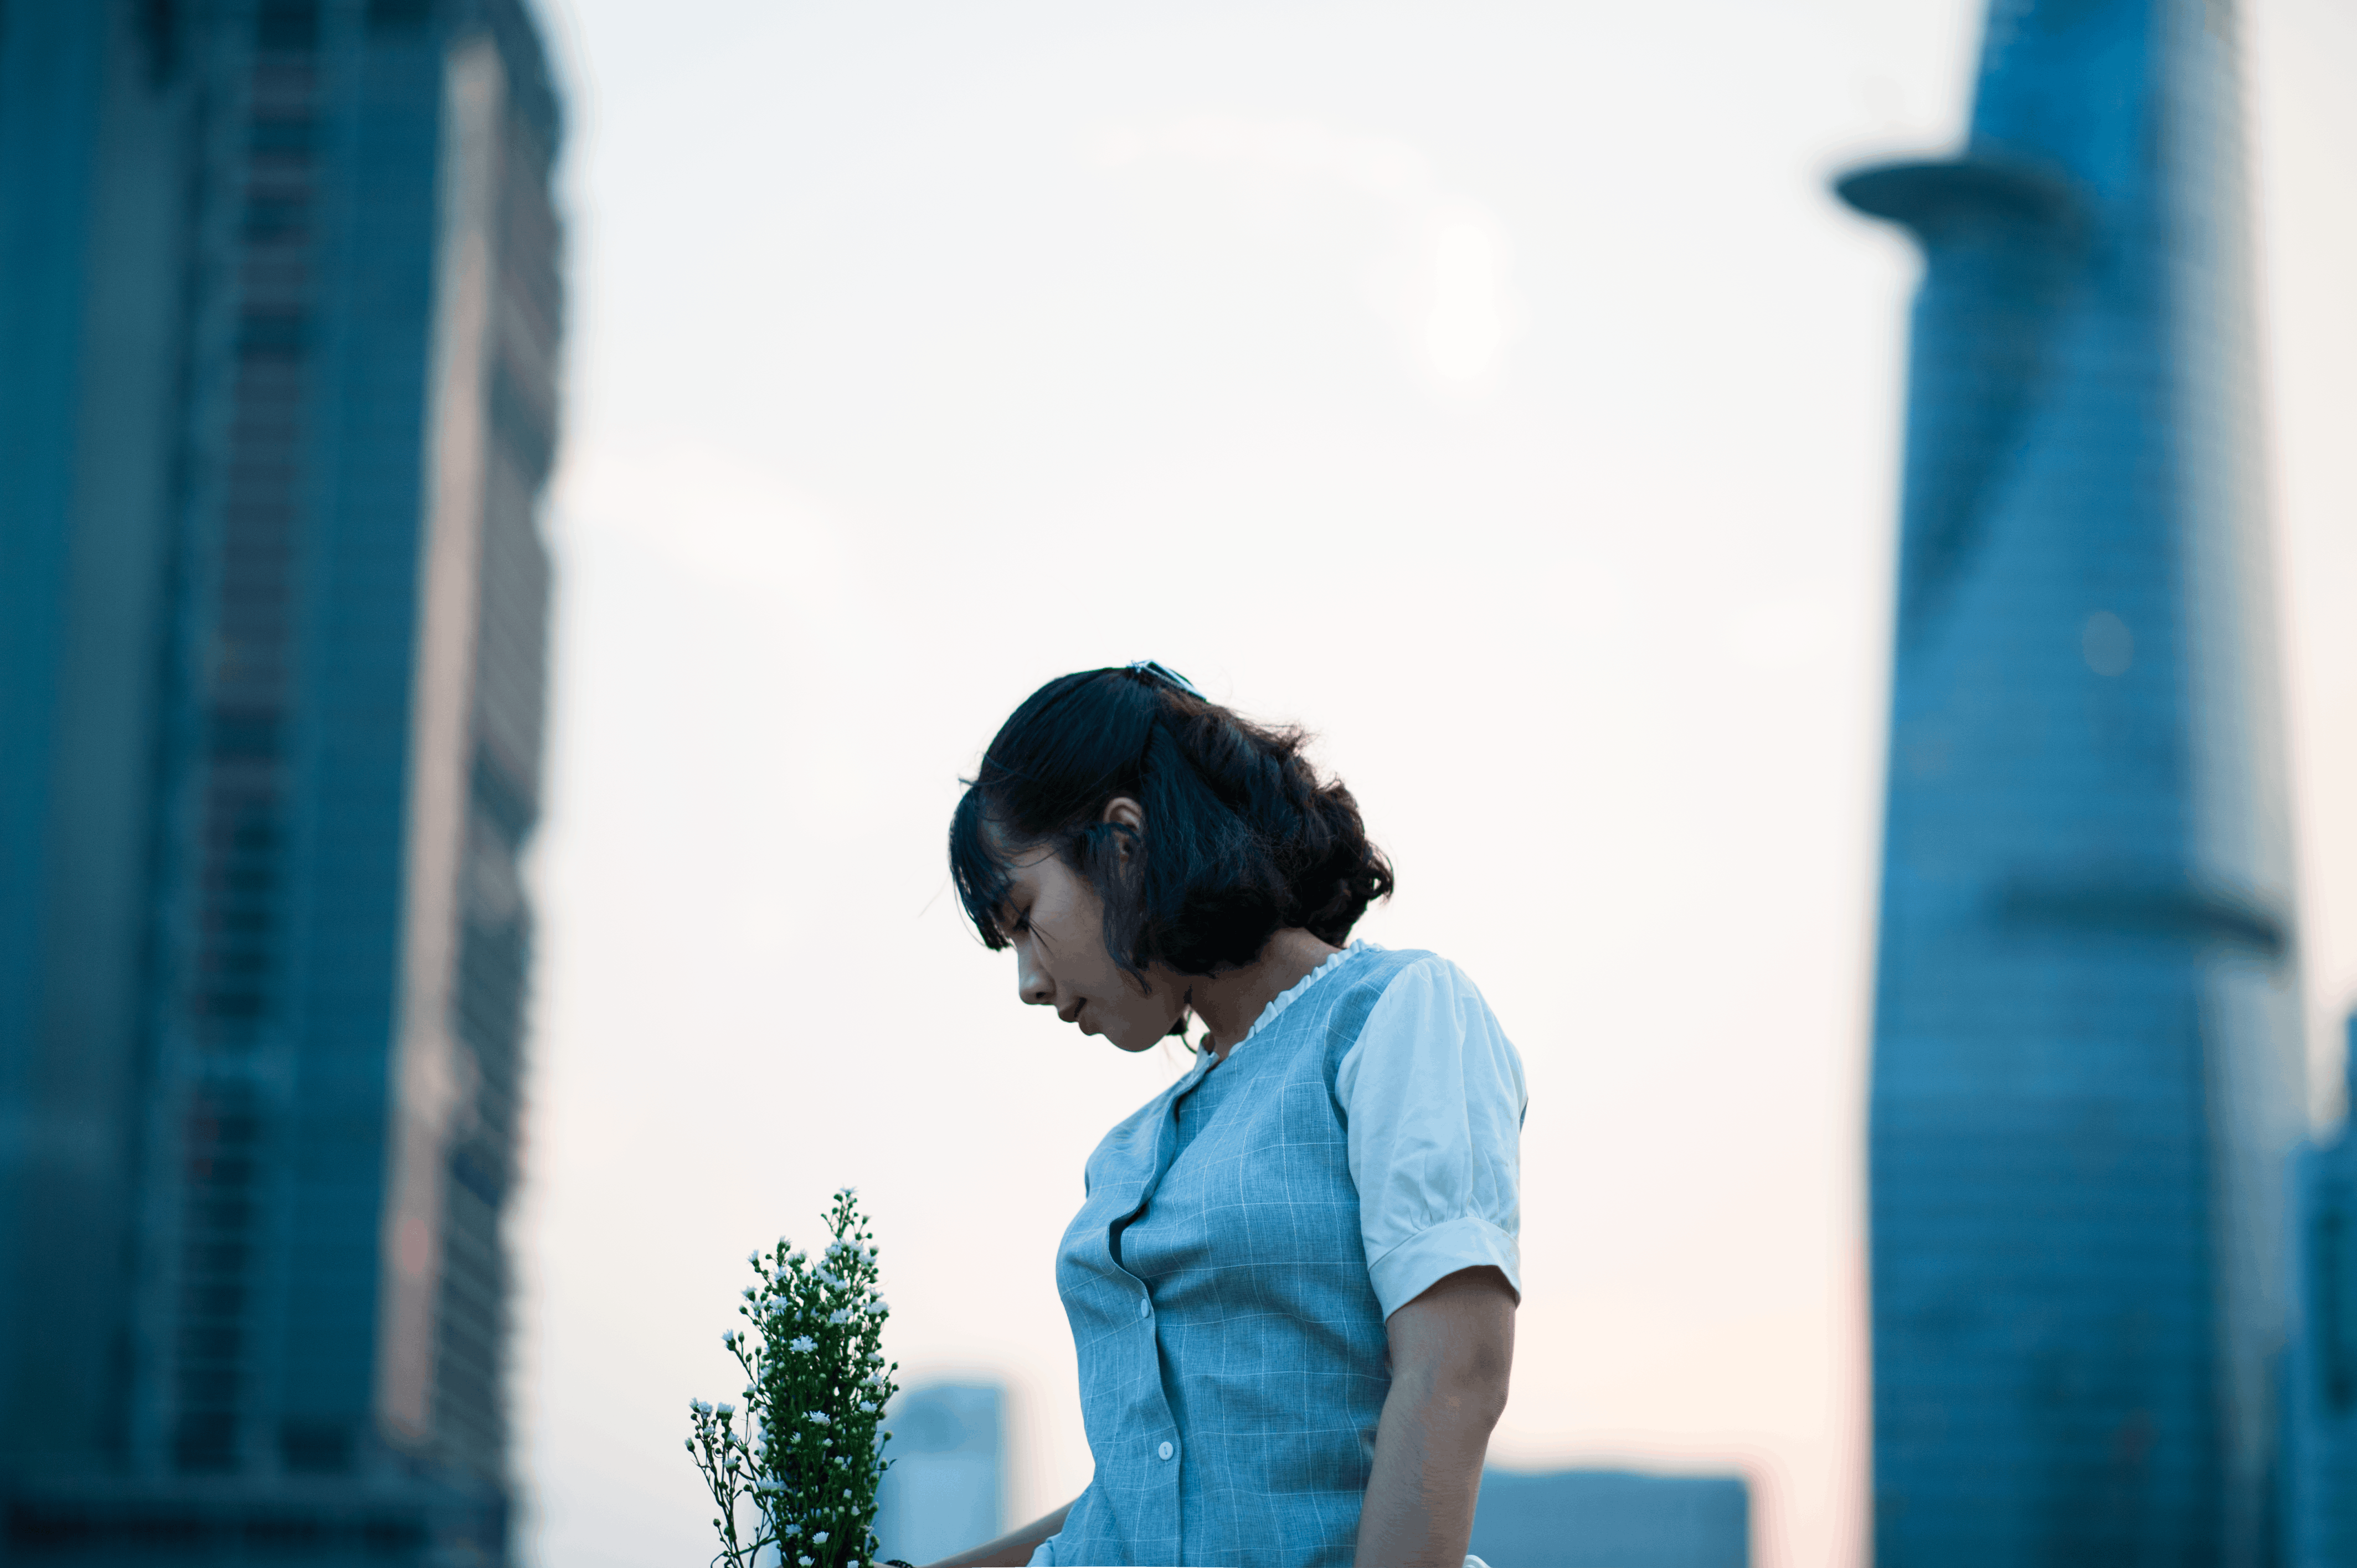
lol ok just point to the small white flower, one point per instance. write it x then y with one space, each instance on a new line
878 1307
866 1407
754 1259
726 1409
819 1539
699 1407
748 1292
728 1341
689 1444
801 1344
840 1314
817 1417
806 1561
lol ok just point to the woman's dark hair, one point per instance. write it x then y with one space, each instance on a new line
1242 837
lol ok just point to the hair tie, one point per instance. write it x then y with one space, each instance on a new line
1164 672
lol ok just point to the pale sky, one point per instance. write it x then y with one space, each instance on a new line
1491 387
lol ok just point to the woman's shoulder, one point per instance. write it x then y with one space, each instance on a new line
1425 998
1417 969
1430 1056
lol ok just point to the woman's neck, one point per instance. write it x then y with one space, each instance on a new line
1230 1004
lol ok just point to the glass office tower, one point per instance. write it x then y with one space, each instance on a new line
1612 1518
2322 1388
946 1490
2087 1060
279 309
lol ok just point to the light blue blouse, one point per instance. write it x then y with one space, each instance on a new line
1227 1281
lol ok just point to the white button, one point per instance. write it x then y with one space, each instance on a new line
1145 1307
1166 1451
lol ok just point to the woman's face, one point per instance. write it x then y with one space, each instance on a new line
1055 922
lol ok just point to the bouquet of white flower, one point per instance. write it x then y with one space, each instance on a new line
798 1474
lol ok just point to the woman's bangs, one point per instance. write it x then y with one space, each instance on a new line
981 876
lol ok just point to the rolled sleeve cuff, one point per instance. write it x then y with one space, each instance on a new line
1429 1256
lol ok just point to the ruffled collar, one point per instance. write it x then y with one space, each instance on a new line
1283 1000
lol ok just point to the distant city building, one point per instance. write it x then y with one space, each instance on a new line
2323 1381
279 314
947 1487
1612 1518
2087 1064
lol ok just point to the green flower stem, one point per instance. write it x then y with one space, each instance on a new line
801 1474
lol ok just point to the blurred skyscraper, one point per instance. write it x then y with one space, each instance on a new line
279 310
947 1486
2087 1069
1612 1518
2322 1388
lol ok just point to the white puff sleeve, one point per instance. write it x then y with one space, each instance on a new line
1433 1097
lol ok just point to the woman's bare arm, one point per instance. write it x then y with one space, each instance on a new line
1012 1549
1452 1348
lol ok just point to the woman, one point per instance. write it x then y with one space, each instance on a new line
1292 1282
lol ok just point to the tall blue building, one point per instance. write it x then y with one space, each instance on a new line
947 1487
2322 1388
1612 1519
279 308
2087 1060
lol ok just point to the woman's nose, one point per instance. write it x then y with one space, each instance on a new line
1035 988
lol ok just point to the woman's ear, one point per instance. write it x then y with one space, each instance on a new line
1123 812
